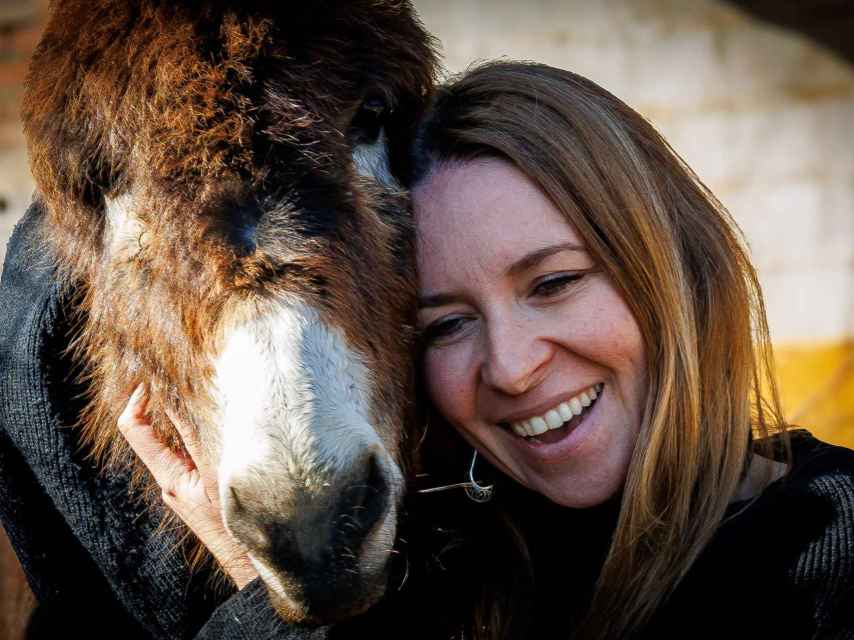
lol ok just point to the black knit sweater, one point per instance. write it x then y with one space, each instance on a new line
782 568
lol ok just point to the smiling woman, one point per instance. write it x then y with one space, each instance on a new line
592 325
520 326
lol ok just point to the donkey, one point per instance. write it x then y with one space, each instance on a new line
221 182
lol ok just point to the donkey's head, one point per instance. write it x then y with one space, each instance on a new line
220 181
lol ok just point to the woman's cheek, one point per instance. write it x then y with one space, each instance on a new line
435 376
445 382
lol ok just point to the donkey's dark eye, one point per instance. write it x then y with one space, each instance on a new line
369 119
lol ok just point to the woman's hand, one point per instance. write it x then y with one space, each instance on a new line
188 486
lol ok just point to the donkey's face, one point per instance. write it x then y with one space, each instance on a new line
221 187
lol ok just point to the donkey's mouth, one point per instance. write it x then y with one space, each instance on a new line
322 549
322 599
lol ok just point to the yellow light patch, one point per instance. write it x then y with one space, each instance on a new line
817 388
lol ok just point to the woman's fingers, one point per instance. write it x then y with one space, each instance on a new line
184 487
187 433
169 470
194 448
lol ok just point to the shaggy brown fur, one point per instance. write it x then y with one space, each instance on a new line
227 128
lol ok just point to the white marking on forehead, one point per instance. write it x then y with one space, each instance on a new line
372 161
294 399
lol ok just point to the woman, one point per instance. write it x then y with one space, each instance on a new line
593 328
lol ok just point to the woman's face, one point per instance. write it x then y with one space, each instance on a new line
525 335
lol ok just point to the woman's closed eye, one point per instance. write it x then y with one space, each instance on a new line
555 284
443 329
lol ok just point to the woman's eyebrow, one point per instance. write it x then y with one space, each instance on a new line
522 264
535 257
437 300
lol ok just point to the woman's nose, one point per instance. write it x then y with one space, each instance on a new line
515 356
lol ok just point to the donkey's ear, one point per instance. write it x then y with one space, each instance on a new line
69 143
73 174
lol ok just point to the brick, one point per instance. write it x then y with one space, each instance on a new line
805 305
11 136
14 12
20 42
775 141
13 73
784 230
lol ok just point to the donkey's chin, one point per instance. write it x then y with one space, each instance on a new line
321 602
353 601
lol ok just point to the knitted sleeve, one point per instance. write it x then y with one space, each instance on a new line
826 567
823 572
248 616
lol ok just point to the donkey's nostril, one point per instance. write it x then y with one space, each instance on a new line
365 501
231 504
239 520
233 501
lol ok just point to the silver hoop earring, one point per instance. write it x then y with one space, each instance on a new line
478 492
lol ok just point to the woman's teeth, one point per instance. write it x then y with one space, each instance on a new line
556 417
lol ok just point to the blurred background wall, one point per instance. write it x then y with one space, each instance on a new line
757 96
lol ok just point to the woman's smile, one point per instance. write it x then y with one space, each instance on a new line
529 350
555 416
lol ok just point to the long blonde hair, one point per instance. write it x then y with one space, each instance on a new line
679 261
